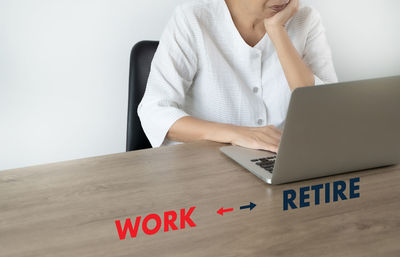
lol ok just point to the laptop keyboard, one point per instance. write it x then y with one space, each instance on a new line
266 163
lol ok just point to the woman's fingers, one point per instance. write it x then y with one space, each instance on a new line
271 140
273 131
271 148
265 138
276 129
266 142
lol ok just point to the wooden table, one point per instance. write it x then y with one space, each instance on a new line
69 209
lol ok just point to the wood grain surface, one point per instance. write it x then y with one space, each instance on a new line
69 209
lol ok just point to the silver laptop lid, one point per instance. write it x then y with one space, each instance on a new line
339 128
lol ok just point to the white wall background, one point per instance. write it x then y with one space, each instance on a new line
64 67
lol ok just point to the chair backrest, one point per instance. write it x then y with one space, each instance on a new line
141 56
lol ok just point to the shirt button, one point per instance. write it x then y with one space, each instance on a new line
260 121
256 55
255 90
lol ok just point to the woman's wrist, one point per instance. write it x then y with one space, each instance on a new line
220 132
275 30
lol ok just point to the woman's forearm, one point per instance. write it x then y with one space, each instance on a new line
188 129
297 73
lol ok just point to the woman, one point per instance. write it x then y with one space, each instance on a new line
225 69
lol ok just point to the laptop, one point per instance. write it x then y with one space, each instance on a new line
331 129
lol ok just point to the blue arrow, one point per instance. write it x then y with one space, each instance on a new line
251 206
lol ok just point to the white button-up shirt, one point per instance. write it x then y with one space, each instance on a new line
204 68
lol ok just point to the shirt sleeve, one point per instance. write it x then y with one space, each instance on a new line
171 74
317 53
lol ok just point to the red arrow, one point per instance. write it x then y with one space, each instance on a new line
221 211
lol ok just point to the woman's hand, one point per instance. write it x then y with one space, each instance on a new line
281 18
297 72
264 138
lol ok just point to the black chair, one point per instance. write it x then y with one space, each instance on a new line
141 56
